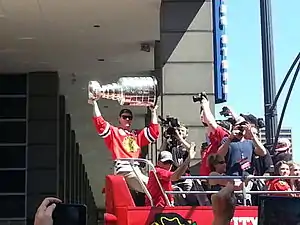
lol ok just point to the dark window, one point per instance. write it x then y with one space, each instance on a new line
13 132
13 157
12 206
13 84
12 181
14 108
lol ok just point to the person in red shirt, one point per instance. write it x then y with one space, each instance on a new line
215 134
165 177
126 143
281 169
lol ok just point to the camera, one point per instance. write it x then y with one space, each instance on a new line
225 111
171 123
227 124
199 97
241 129
260 123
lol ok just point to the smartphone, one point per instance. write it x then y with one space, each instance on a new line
70 214
278 210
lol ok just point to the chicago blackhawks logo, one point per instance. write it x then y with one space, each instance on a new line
130 144
171 219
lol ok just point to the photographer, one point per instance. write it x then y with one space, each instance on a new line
238 150
241 144
214 132
174 141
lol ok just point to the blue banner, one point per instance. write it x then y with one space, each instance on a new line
220 50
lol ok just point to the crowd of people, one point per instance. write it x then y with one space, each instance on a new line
233 148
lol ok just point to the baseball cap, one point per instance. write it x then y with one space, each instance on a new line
283 145
165 156
125 111
240 120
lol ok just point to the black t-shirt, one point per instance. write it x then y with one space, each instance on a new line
262 164
179 154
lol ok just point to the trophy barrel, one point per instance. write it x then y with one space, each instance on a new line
138 91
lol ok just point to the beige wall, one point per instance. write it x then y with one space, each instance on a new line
188 67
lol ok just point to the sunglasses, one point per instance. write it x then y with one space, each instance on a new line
125 117
221 162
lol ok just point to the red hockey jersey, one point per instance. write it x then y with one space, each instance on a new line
123 143
278 185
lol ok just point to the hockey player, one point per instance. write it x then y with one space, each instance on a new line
126 143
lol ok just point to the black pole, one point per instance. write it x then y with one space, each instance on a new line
274 103
286 101
268 71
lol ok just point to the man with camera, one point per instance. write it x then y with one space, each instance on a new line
239 148
175 141
241 144
214 132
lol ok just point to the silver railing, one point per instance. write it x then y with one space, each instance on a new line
243 179
149 163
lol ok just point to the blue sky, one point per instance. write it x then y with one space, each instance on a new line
244 55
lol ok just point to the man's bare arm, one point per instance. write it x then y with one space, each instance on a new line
183 167
208 116
96 111
154 118
259 147
223 149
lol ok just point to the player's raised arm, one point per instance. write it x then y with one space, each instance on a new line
102 126
150 133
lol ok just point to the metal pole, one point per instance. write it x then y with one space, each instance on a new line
268 71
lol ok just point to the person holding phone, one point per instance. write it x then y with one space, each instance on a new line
53 212
43 215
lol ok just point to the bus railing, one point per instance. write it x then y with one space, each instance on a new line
243 179
250 177
149 163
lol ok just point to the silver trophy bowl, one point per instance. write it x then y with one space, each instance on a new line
131 91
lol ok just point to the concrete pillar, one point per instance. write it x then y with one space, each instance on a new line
185 62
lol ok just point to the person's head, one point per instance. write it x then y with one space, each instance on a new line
240 125
183 131
282 169
283 145
254 131
217 163
165 160
252 120
125 118
294 168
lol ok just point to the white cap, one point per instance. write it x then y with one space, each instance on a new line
240 120
165 156
283 145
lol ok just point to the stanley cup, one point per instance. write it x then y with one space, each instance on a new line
131 91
